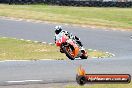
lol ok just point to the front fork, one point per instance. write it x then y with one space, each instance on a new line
62 45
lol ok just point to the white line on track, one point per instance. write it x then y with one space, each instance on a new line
14 60
33 80
24 60
36 41
14 81
28 40
22 39
89 49
28 20
51 43
4 37
44 42
107 52
24 81
94 50
113 54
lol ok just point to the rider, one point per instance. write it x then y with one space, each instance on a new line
58 29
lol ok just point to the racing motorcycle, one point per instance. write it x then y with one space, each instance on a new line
70 47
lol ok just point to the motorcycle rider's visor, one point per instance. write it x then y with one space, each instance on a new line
57 31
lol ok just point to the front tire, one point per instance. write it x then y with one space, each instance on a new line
67 53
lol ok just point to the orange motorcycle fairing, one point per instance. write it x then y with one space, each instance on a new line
76 51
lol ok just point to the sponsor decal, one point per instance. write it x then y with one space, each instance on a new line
83 78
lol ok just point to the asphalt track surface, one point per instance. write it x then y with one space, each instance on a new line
27 72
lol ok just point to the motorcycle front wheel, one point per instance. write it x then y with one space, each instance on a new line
68 51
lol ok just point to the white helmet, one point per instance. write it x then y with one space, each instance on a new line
58 29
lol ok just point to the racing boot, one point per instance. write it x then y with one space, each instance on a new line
78 41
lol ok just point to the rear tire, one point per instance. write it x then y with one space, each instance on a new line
84 56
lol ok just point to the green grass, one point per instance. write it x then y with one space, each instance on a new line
102 86
101 17
14 49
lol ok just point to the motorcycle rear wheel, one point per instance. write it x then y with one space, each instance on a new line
84 56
